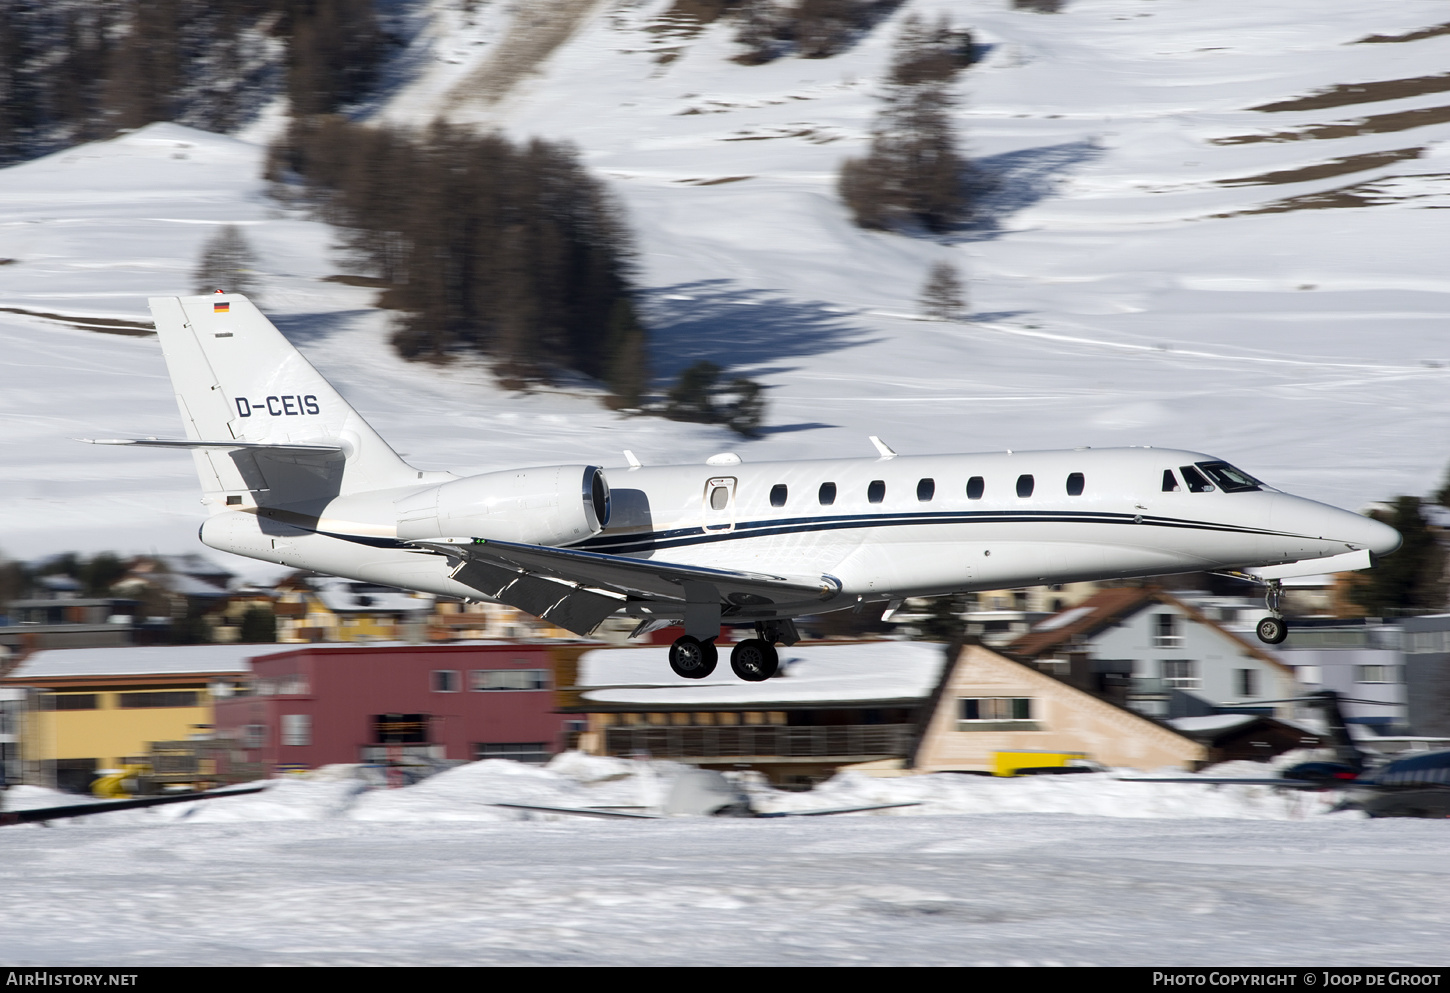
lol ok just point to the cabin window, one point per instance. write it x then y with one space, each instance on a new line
876 492
777 495
925 489
975 487
1075 483
1170 481
1194 480
827 494
1024 485
1229 479
719 498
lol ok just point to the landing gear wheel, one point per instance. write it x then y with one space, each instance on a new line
754 660
1272 630
693 658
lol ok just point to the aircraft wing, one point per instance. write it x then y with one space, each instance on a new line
579 811
577 589
839 810
40 814
1288 784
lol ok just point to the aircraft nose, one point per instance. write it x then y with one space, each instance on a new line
1366 532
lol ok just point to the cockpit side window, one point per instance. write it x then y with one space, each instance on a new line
1194 480
1170 481
1229 479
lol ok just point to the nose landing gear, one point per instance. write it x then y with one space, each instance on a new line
1272 630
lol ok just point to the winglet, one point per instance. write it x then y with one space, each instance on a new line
883 448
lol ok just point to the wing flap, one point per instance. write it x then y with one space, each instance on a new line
648 578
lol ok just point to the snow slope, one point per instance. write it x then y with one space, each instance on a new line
1055 870
1141 271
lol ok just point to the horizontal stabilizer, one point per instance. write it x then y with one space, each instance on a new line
255 446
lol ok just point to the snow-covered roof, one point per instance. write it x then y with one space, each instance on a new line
1210 722
813 674
141 660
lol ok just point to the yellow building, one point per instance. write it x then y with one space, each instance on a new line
95 708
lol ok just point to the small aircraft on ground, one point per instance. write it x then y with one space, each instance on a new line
1416 785
699 793
292 474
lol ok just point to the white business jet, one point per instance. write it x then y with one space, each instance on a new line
292 474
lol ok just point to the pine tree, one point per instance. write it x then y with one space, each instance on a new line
227 263
942 295
1413 578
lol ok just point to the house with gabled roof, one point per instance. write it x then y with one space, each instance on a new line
1158 655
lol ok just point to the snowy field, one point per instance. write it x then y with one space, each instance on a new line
1156 259
1069 870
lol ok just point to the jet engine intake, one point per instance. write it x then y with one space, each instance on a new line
552 505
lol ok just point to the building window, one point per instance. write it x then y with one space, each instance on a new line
1376 674
996 709
1179 674
171 698
296 729
1248 682
69 701
777 495
400 729
254 736
508 679
1166 633
445 681
525 751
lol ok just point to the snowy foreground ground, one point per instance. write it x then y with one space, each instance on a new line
1072 871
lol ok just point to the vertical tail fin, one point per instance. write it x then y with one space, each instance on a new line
237 379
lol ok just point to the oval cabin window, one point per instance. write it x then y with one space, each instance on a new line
1075 484
1024 485
975 488
876 492
777 495
925 489
827 494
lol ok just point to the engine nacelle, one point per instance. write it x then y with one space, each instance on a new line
552 505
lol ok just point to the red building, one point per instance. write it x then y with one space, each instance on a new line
328 704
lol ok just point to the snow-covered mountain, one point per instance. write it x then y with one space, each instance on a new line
1161 255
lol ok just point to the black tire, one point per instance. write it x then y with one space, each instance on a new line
1272 630
693 658
754 660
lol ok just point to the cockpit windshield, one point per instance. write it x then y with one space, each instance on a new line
1229 479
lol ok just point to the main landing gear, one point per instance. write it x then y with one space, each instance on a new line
693 658
1272 630
753 660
